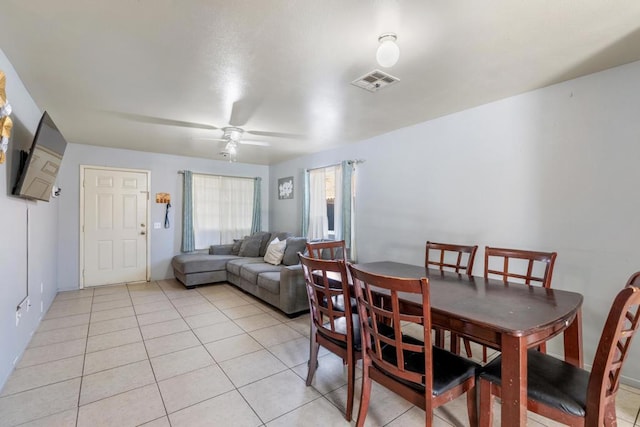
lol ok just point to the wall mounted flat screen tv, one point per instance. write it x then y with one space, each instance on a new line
37 174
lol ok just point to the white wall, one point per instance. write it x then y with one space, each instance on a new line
553 169
165 243
40 248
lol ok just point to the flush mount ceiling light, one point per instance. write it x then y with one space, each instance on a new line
388 51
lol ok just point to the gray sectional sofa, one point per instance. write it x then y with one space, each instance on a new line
242 264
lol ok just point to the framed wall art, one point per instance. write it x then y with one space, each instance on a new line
285 188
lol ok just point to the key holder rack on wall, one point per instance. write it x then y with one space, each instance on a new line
165 198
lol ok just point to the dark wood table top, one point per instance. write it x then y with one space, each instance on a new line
508 316
506 308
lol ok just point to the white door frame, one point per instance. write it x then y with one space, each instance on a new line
148 235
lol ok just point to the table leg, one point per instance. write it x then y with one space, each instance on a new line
573 341
514 381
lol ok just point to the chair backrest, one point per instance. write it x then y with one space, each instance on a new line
332 249
612 350
528 264
325 280
458 258
382 316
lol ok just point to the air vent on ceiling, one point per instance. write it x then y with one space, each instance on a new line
375 80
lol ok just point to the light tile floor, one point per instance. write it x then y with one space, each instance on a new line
157 354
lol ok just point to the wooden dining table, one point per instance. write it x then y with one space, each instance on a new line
510 317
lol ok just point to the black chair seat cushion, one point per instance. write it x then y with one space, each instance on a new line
551 381
341 327
449 370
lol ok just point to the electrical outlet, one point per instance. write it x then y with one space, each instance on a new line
41 306
28 304
157 226
18 315
41 287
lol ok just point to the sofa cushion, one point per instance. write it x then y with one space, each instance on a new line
196 263
275 251
251 271
294 245
234 265
250 246
270 281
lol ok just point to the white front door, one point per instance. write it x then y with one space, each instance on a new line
114 226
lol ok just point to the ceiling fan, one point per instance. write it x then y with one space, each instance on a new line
232 135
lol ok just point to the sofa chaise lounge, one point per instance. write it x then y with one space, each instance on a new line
243 264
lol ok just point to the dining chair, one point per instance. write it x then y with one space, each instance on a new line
566 393
450 257
532 267
513 265
425 375
330 249
333 326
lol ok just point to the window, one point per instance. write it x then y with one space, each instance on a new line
326 209
222 209
330 193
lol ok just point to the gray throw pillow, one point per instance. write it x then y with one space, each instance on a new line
326 253
284 235
294 245
265 239
250 247
235 249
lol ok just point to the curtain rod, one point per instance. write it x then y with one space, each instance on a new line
351 162
223 176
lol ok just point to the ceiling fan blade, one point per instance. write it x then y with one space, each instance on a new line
243 109
160 121
257 143
276 134
208 139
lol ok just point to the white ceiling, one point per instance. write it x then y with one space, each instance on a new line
146 74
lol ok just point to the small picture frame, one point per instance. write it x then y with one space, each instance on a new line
285 188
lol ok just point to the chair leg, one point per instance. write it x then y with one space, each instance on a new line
484 354
609 417
542 348
455 345
439 338
313 361
472 406
351 379
467 347
485 414
366 395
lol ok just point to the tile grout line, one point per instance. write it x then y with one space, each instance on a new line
164 405
84 358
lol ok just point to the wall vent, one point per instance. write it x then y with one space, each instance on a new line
375 80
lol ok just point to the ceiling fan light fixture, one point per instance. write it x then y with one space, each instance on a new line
388 52
232 133
231 150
